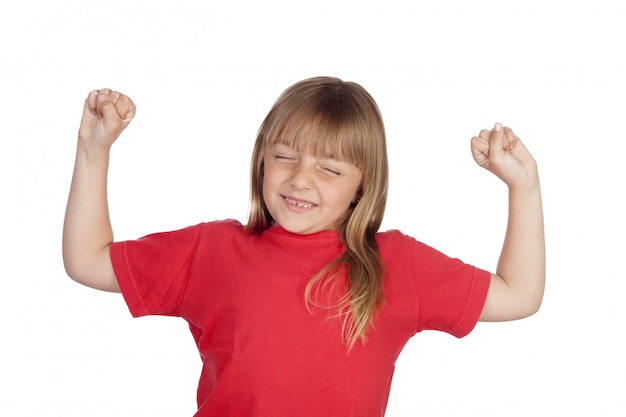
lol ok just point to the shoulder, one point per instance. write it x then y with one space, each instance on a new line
393 240
396 249
216 233
392 235
188 235
211 227
395 246
226 226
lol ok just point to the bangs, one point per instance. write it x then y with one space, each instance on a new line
327 118
331 134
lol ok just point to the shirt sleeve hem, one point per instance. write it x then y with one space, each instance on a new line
475 303
125 279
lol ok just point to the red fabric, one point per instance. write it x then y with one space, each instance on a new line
263 352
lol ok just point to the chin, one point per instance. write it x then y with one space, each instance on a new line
300 229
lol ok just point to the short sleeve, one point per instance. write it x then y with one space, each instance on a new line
153 272
442 293
451 293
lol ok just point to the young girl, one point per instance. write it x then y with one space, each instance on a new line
304 310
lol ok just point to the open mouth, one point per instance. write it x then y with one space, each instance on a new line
298 203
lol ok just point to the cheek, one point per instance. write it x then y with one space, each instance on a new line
341 196
266 197
274 175
270 183
356 189
265 187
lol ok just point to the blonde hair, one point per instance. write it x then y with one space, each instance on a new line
323 115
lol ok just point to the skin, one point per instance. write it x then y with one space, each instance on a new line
327 184
516 288
305 194
87 231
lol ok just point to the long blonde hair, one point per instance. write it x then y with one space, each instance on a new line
327 114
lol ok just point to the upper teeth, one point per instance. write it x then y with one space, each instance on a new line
298 203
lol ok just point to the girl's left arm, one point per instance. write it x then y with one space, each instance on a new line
516 289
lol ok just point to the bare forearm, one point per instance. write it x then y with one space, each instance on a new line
87 231
523 258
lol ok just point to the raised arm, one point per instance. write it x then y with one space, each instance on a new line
87 232
517 287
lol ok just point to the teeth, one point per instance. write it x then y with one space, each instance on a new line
298 204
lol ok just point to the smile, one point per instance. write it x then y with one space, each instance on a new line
300 204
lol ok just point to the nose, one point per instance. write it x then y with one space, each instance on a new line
302 176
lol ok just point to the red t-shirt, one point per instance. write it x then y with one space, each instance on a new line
263 353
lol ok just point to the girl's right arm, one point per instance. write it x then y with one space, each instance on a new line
87 232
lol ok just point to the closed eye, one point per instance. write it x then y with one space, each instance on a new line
331 171
284 158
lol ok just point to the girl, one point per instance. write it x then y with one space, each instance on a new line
304 310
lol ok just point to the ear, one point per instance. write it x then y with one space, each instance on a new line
357 196
356 199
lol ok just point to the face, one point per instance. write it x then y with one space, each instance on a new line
306 194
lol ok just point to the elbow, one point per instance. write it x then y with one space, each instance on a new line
92 271
535 306
73 262
530 310
78 267
529 306
535 297
69 264
527 294
73 269
507 303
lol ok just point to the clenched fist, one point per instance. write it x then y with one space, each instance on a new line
500 151
105 115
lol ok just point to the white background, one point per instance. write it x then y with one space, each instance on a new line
204 74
